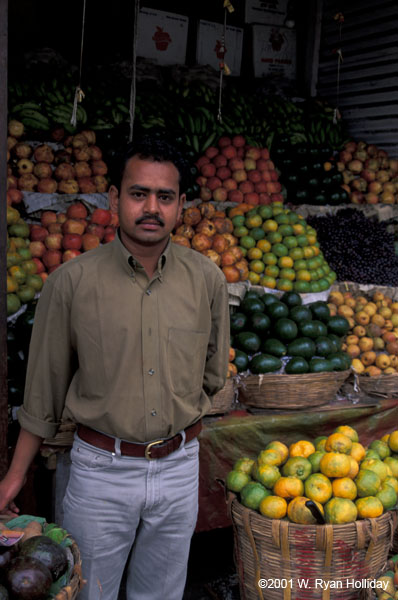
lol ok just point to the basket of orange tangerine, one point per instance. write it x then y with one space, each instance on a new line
314 517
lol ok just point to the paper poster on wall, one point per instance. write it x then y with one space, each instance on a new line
162 36
274 51
209 49
270 12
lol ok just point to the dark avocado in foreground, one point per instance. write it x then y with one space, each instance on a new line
44 549
28 578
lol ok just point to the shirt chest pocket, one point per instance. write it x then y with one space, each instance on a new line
186 355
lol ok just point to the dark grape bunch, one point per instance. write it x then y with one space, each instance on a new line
357 248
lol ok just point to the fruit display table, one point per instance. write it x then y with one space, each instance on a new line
224 440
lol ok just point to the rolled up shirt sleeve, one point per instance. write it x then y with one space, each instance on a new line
50 363
218 348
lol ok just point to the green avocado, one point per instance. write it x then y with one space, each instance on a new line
324 346
285 329
274 347
320 311
277 310
341 361
322 328
264 363
241 360
300 313
238 322
251 305
303 346
297 365
248 341
308 329
336 341
338 325
291 299
319 365
268 298
259 322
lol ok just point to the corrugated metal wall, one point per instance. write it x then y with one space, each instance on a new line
368 90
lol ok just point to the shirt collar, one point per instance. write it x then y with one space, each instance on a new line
132 264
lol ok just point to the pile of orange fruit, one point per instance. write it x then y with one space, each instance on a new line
372 341
334 479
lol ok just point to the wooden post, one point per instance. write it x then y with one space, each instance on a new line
3 237
314 27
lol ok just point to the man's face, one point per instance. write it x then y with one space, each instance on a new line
148 203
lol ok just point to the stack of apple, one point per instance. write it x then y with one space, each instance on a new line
62 236
370 176
209 231
77 167
236 172
372 341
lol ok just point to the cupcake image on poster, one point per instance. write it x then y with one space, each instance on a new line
161 39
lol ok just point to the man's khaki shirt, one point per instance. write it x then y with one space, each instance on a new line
130 357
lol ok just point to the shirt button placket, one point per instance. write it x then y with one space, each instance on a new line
150 355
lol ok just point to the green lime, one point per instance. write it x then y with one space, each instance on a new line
257 233
280 249
247 241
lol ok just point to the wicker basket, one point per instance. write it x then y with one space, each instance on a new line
290 391
384 385
223 400
394 547
294 557
70 591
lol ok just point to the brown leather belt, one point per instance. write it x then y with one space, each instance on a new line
151 451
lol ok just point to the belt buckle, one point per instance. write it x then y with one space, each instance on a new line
148 449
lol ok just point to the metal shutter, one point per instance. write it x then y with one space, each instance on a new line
368 93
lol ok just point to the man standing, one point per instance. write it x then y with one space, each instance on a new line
129 341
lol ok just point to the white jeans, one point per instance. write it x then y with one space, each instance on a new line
115 505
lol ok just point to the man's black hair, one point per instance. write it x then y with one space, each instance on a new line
153 148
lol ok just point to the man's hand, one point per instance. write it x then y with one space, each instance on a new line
9 488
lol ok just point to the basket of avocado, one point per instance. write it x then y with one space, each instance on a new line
288 354
38 561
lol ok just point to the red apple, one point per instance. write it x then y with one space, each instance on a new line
235 196
229 151
68 186
87 185
15 196
69 254
260 187
203 160
252 152
205 194
246 187
74 226
37 233
55 228
64 171
99 167
37 249
208 170
47 185
211 152
213 183
52 258
252 198
96 229
22 150
61 218
40 268
101 216
12 182
370 198
358 198
235 164
53 241
250 164
375 187
387 198
72 240
77 210
42 170
101 183
224 141
90 241
82 169
254 176
220 161
230 184
28 182
368 175
264 198
47 217
239 175
223 173
220 194
264 153
109 235
114 219
238 141
43 153
277 198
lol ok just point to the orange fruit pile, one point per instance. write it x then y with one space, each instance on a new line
334 477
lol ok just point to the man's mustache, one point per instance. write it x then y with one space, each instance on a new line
150 219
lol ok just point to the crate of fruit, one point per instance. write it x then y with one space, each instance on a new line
315 519
38 560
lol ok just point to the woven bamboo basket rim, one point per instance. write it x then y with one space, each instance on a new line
280 548
279 390
222 401
383 384
76 582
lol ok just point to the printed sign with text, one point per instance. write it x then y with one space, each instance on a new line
274 51
270 12
162 36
